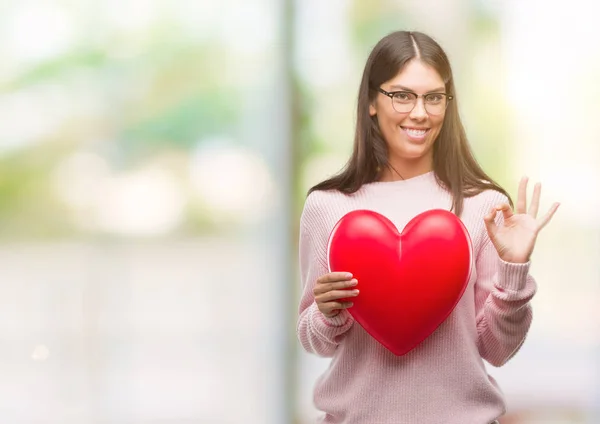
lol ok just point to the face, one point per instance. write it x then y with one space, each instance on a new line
410 136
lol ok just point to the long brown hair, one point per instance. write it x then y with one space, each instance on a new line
454 164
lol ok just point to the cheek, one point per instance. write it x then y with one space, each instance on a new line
393 121
389 124
437 127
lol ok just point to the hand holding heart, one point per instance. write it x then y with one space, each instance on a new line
329 291
515 239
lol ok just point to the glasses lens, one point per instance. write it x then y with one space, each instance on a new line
435 104
403 102
435 109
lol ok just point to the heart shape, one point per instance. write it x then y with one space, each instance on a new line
409 282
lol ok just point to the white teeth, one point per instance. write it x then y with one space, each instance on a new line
416 133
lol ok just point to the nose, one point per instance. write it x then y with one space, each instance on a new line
419 112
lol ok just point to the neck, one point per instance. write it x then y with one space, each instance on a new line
405 170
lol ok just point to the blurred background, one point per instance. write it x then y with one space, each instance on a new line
154 158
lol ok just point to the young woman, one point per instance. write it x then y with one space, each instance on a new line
411 154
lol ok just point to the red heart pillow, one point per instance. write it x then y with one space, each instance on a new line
409 282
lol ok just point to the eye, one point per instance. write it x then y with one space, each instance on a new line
403 97
434 98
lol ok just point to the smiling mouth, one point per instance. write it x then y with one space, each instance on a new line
416 134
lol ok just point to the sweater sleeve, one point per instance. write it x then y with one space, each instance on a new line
317 333
502 300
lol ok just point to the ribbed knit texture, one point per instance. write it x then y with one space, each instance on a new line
444 380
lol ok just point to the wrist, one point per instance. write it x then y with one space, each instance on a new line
519 261
514 259
337 320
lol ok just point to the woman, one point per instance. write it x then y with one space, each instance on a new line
411 154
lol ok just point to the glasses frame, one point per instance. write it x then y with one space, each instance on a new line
391 95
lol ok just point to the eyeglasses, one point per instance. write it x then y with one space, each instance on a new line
405 101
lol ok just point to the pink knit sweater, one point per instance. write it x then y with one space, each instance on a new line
444 379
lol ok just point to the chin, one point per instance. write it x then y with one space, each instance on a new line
414 152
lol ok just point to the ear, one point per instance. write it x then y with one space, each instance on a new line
372 110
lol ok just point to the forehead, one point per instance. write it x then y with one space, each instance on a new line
417 76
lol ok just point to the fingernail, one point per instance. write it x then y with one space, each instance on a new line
348 275
354 282
355 291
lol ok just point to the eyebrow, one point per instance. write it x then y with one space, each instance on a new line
436 90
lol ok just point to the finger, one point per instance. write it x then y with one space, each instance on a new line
334 276
507 212
535 200
490 223
522 196
335 295
338 285
546 219
328 308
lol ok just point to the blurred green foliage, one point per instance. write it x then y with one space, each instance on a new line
166 93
